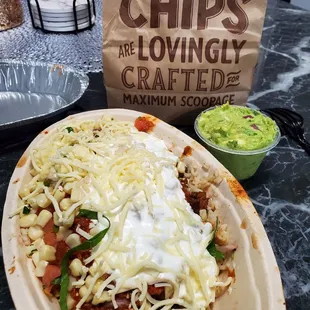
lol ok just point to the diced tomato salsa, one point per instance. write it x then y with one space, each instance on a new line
50 238
61 249
155 291
84 223
51 273
49 227
144 124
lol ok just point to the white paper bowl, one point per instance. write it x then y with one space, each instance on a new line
258 283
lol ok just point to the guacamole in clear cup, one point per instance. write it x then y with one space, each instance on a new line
239 137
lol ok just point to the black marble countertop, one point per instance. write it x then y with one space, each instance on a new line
280 190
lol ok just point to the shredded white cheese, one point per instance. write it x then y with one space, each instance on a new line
155 238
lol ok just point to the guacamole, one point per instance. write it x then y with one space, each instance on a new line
237 128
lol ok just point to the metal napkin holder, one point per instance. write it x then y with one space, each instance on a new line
74 14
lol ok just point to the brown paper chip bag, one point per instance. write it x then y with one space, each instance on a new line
174 58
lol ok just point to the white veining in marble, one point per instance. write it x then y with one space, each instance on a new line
252 106
285 215
269 27
286 80
279 53
295 233
295 11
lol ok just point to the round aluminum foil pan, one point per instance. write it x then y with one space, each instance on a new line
33 91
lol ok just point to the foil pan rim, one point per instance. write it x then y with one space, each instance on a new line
83 79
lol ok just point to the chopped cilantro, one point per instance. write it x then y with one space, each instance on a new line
56 281
32 252
70 129
250 132
47 182
232 144
93 215
214 252
222 132
212 247
26 209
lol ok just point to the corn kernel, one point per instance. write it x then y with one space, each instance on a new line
36 258
63 233
76 193
28 220
32 202
65 204
73 240
44 218
43 201
29 249
47 253
88 281
56 219
96 286
24 191
83 291
33 172
40 269
68 187
35 232
70 302
93 269
181 167
103 298
76 267
69 222
59 195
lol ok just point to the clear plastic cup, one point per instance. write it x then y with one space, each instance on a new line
241 164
